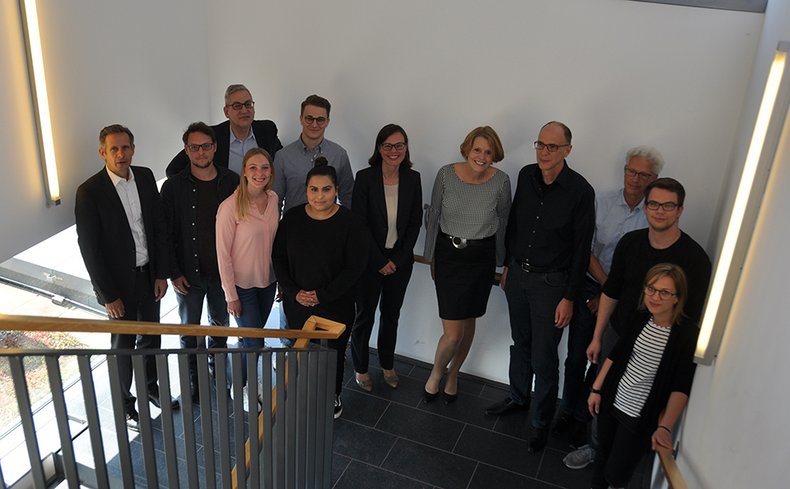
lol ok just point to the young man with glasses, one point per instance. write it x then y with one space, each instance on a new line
295 160
190 200
549 231
237 135
637 251
617 213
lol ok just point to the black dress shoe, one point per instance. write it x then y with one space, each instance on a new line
133 421
505 406
154 399
538 440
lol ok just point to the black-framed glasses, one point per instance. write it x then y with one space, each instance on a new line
310 120
667 206
390 147
551 148
664 294
195 147
630 172
239 105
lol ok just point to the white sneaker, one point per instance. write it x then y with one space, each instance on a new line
580 458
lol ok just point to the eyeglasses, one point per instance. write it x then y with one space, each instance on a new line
390 147
309 120
667 206
664 294
551 148
630 172
238 105
195 147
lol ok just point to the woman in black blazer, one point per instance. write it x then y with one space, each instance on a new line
388 197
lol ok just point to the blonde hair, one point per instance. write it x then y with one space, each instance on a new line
243 193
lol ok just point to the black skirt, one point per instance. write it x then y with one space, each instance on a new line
464 277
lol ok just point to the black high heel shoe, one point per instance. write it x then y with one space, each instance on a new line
429 397
449 398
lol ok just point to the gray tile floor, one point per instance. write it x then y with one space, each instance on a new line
393 439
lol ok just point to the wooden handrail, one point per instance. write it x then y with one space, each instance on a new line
39 323
670 467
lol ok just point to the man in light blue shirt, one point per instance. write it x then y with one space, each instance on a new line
616 213
292 163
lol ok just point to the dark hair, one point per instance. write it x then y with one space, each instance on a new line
382 136
200 127
321 168
669 184
114 129
681 286
318 101
489 134
565 129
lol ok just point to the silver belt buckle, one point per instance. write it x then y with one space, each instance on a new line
458 243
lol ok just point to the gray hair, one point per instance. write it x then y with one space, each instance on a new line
652 155
236 87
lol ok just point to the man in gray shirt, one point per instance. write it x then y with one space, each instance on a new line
292 163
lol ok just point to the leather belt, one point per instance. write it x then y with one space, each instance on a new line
141 269
461 243
527 268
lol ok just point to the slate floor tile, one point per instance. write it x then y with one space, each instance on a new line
467 409
498 450
487 477
360 442
429 465
363 476
422 427
363 408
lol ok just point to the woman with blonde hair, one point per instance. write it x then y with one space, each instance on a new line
246 225
465 241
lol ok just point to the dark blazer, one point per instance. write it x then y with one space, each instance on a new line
265 135
368 202
105 238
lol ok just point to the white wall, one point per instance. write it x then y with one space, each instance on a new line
142 64
618 73
736 430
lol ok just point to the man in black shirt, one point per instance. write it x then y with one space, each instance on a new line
637 251
548 239
190 199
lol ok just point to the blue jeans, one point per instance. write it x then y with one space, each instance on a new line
532 299
256 304
190 310
580 333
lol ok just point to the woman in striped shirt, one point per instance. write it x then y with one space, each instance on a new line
648 372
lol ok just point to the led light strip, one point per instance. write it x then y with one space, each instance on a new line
38 85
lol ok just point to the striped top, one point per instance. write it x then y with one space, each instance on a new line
637 381
466 210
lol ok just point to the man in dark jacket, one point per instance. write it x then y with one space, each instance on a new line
123 241
190 200
237 135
